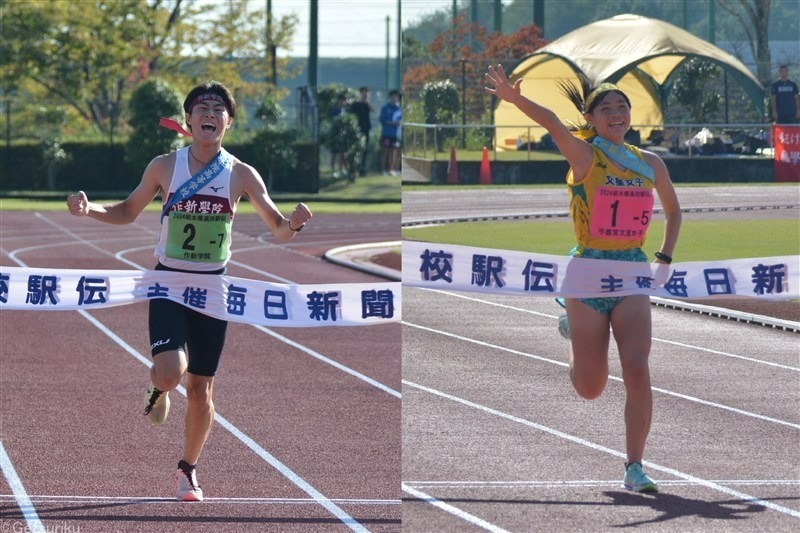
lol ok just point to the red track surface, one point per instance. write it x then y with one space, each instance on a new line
493 429
70 397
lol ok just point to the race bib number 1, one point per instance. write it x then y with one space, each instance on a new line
621 213
200 237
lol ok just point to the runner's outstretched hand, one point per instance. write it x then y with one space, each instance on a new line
78 204
502 87
300 215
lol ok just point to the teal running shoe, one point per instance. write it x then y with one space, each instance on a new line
636 480
563 326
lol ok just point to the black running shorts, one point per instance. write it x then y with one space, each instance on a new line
176 327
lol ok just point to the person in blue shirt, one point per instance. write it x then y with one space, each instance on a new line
785 98
390 118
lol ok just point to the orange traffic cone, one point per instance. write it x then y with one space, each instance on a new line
452 167
486 173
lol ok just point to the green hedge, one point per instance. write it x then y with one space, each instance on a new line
99 167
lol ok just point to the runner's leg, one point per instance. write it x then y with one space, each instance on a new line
588 353
199 415
168 369
632 326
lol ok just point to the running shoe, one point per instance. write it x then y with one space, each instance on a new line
563 326
638 481
187 489
156 405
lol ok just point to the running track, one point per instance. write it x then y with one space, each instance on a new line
307 434
495 439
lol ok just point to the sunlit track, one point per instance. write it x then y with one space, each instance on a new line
655 339
620 454
76 498
496 439
610 377
348 504
306 487
452 509
587 483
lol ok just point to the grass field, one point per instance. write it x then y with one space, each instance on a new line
370 194
700 240
431 187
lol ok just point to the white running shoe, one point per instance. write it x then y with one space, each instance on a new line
187 489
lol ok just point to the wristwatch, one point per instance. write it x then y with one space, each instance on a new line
663 257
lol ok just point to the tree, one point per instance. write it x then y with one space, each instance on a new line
440 102
413 48
692 89
753 16
76 53
91 55
468 49
150 101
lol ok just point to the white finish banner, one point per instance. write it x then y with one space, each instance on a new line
464 268
225 297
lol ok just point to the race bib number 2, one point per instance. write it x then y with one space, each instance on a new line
621 213
200 237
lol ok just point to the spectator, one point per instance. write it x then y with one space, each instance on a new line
337 158
785 98
390 118
362 109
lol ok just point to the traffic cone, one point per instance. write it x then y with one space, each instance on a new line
452 168
486 173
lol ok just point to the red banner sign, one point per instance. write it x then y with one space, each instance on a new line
787 153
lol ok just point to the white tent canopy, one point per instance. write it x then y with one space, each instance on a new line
637 53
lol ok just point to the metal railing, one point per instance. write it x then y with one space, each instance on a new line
433 141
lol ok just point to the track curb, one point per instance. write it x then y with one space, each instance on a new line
728 314
353 256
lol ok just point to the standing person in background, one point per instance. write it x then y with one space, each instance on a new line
390 119
608 177
182 340
785 98
362 109
337 158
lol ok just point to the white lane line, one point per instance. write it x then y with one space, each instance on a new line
77 498
727 354
655 339
472 519
335 364
306 487
120 256
454 484
612 378
303 348
250 443
600 448
20 495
